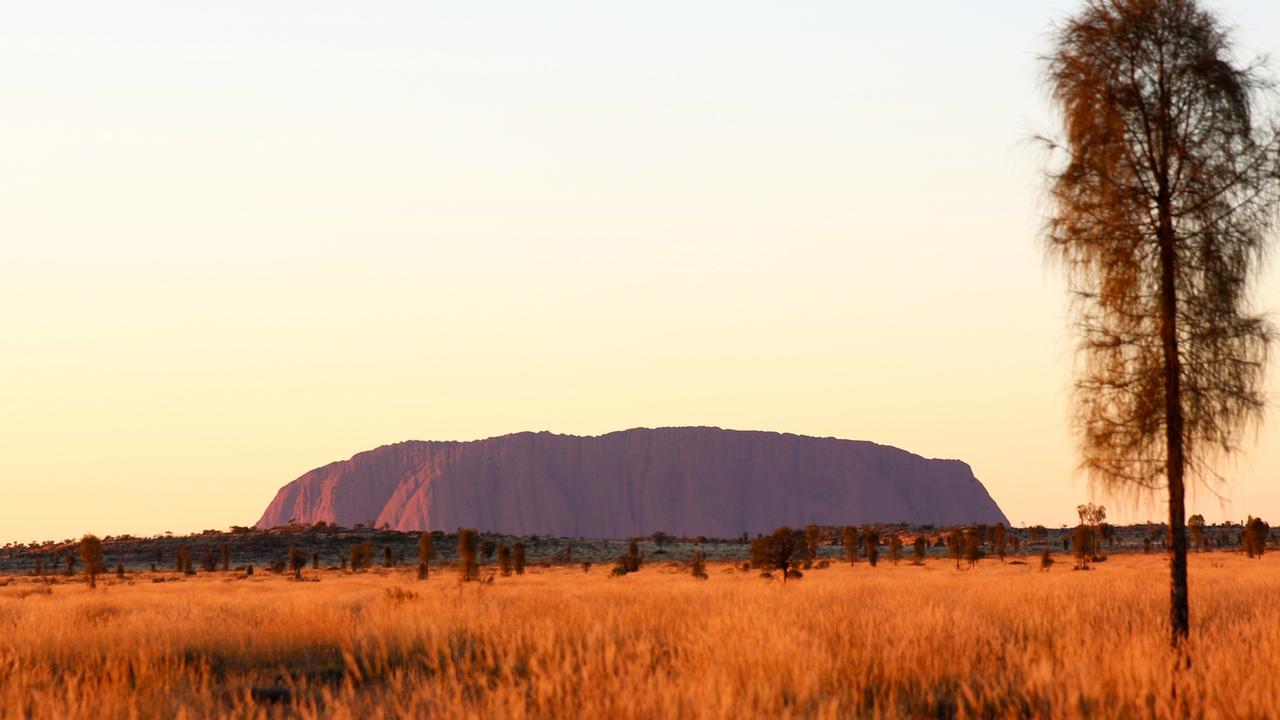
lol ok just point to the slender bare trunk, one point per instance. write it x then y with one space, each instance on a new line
1180 621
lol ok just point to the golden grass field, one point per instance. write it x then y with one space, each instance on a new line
904 641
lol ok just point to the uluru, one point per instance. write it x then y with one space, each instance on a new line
682 480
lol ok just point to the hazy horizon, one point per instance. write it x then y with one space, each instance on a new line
241 242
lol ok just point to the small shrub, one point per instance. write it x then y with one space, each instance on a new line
399 595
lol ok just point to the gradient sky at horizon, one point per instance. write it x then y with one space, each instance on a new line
242 240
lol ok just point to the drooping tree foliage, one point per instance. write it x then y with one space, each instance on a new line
1164 189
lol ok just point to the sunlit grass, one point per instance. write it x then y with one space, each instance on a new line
1001 640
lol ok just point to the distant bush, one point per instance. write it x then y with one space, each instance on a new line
91 553
504 559
208 562
517 553
955 545
698 565
361 555
872 542
426 553
1255 537
1082 540
895 548
468 549
972 546
779 550
850 537
630 562
812 536
1046 559
918 549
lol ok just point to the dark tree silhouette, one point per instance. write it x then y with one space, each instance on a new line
504 559
631 561
1255 537
698 565
955 545
873 547
779 550
297 561
895 548
1195 524
426 553
468 551
517 552
972 546
1093 517
1082 541
918 550
91 553
850 544
1164 188
998 539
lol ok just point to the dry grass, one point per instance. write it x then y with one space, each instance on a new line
998 641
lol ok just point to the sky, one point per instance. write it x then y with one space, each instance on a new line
241 240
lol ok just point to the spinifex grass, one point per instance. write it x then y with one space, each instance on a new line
1002 640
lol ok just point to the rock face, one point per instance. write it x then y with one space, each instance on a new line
685 481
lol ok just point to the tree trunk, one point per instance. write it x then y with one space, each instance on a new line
1179 617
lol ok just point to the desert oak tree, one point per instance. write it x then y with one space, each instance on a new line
1163 188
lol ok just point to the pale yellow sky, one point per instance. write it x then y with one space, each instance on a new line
240 242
